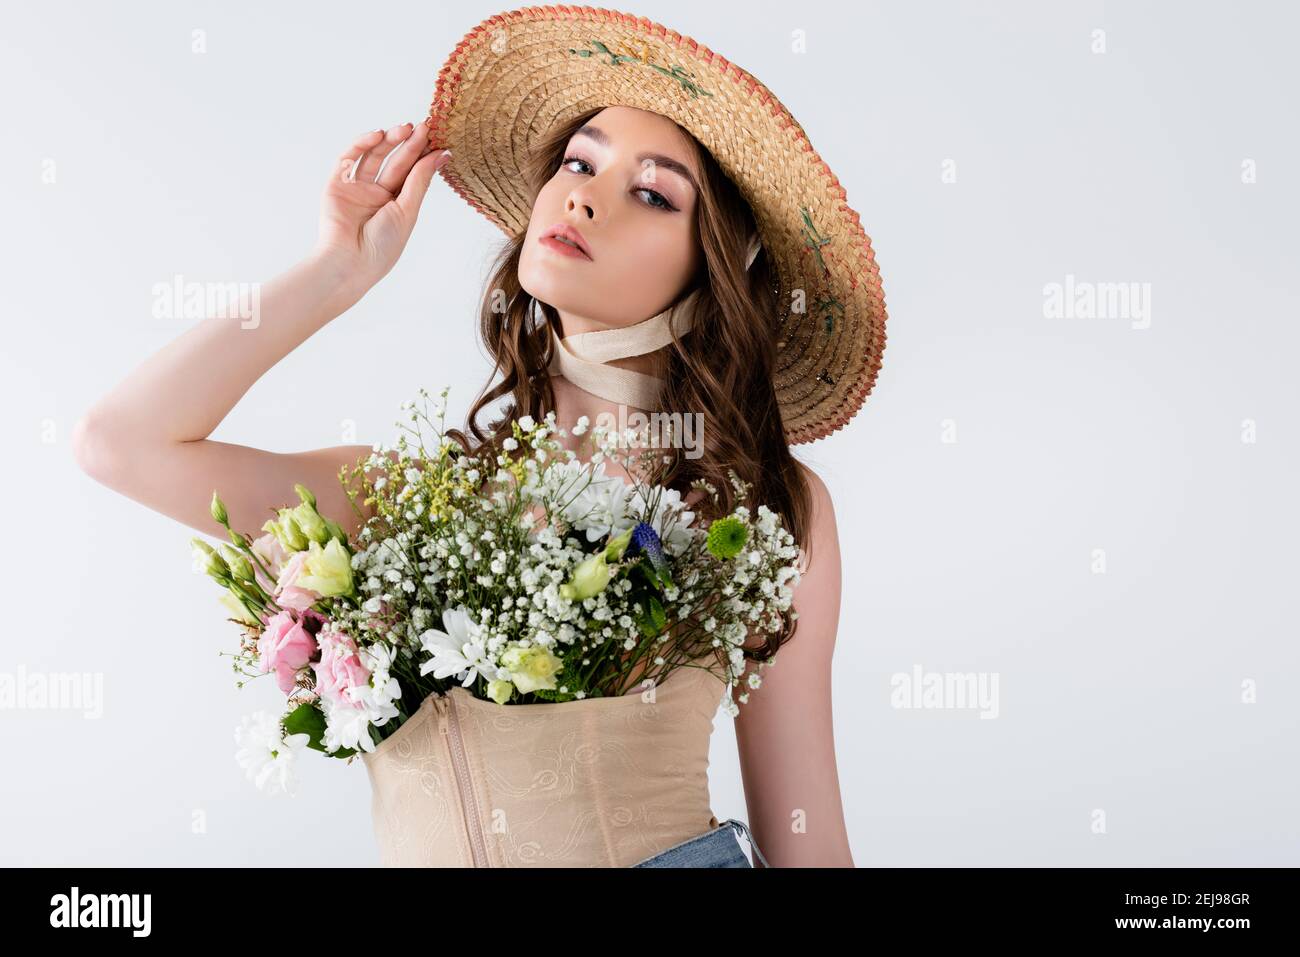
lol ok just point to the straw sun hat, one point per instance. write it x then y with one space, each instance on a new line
518 74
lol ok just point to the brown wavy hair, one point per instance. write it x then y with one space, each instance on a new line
726 371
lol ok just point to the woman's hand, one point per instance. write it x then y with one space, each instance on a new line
365 222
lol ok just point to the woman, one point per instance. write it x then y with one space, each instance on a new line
609 241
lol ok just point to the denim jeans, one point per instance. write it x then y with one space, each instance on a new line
717 847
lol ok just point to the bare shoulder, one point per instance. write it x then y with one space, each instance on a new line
821 494
822 530
817 594
803 675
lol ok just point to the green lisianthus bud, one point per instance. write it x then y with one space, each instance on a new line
312 525
208 561
240 567
336 532
617 546
305 494
296 534
294 540
589 578
237 609
500 691
218 510
286 531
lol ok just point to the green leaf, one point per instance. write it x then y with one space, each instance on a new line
657 614
646 571
651 621
309 720
646 625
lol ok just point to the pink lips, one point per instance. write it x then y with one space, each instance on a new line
553 237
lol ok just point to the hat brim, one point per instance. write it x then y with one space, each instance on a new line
518 74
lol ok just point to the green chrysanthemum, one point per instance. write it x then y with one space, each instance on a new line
727 536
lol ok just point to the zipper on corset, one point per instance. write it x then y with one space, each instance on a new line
449 726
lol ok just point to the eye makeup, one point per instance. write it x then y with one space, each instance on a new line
658 201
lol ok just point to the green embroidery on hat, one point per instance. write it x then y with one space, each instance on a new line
829 304
687 80
813 239
825 303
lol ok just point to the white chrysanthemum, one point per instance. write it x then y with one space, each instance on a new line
671 513
384 688
266 754
458 650
347 724
602 508
348 727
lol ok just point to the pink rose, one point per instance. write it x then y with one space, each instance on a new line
339 668
287 593
286 647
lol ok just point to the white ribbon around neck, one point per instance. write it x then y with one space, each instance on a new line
581 358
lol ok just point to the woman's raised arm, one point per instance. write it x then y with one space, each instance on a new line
148 437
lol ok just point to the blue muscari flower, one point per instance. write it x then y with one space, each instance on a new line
646 540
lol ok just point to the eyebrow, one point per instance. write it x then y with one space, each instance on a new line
598 135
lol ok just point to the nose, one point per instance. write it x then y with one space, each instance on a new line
581 201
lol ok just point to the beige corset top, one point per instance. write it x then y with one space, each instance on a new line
601 782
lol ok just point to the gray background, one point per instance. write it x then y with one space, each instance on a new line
1120 691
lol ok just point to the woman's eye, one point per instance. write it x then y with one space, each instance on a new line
666 204
657 201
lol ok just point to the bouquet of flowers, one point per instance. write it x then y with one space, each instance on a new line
526 575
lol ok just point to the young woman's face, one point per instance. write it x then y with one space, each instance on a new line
627 187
